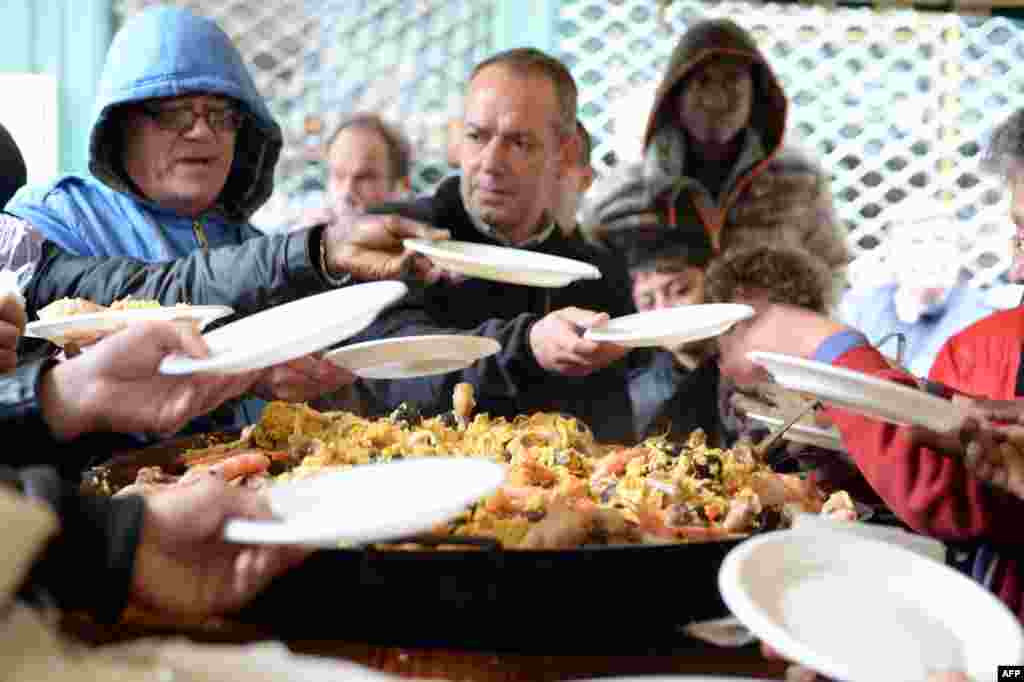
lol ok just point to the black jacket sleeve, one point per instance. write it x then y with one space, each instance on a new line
88 565
261 272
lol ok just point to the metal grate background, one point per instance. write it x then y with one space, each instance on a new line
895 103
318 60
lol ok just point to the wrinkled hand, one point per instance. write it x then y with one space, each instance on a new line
992 452
1001 464
558 344
184 566
370 248
116 385
12 326
1003 411
301 380
774 198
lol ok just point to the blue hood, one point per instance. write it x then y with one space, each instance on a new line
170 52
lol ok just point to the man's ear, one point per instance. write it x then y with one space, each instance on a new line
588 178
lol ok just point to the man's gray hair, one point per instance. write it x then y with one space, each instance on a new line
399 148
531 61
1004 153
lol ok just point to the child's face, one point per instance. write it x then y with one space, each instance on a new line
656 290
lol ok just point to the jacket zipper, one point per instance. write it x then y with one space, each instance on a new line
197 228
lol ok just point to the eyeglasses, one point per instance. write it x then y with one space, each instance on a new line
182 119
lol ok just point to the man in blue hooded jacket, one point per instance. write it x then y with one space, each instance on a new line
182 153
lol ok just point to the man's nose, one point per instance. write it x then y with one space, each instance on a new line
200 128
492 157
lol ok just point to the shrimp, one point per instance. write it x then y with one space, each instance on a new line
463 401
616 462
531 473
242 464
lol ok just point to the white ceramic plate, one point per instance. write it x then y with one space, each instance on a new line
863 610
671 326
503 264
803 433
413 356
879 398
98 325
289 331
370 503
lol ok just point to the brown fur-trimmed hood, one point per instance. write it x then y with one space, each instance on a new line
702 41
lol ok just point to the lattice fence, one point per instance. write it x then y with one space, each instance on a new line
318 60
895 104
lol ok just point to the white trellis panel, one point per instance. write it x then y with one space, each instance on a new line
894 103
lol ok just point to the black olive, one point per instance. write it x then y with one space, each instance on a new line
449 420
673 449
769 519
408 413
712 468
608 493
535 516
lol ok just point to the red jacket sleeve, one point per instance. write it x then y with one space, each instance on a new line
931 493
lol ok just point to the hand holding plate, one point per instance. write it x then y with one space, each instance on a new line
118 386
558 344
303 379
370 247
184 566
12 326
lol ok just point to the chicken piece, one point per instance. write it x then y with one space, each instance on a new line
742 513
565 528
463 401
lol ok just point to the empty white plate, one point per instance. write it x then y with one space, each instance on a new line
862 393
370 503
93 326
503 264
863 610
413 356
670 326
290 330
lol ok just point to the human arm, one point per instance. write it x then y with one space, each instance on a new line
12 326
165 551
117 385
920 476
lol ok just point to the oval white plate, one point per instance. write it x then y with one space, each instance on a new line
370 503
862 393
59 330
503 264
670 326
289 331
863 610
413 356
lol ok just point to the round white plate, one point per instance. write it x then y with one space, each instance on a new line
503 264
413 356
828 439
370 503
863 610
64 329
858 392
671 326
289 331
